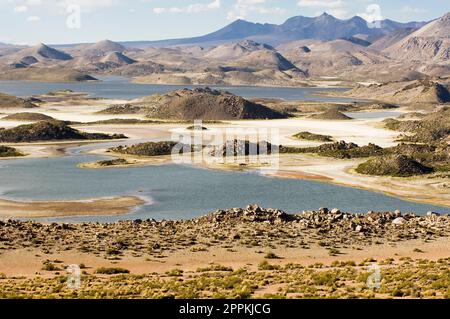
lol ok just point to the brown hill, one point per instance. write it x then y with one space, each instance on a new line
54 74
9 101
206 104
430 43
420 91
27 117
228 52
331 114
101 48
48 131
393 165
117 58
330 57
43 52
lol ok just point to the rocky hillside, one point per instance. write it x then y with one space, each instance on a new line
206 104
49 131
431 128
419 91
430 43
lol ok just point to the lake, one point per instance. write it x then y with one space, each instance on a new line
180 192
175 192
121 88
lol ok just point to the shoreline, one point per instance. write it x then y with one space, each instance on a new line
346 178
89 207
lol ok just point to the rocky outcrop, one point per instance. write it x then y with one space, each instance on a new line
243 148
253 225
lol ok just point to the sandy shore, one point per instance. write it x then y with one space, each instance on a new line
106 206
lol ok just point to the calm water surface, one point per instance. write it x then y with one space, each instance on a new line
121 88
175 192
179 192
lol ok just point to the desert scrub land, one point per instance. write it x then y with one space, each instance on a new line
28 116
147 149
49 131
270 275
6 151
307 136
406 278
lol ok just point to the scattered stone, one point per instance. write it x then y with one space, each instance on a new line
399 221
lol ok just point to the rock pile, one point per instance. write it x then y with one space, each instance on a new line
251 226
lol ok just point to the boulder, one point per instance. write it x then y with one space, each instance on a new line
399 221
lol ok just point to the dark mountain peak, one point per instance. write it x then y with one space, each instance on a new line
323 27
326 16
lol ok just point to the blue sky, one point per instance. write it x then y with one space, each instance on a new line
74 21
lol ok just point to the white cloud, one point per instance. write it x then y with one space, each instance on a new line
20 9
333 7
192 8
321 3
33 18
61 5
242 8
409 9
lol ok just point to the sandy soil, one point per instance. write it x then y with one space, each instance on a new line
28 262
106 206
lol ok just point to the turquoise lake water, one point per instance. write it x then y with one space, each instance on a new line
180 192
175 192
121 88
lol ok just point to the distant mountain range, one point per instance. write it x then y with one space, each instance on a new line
244 53
323 27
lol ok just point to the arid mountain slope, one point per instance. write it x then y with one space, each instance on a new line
421 91
431 43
